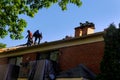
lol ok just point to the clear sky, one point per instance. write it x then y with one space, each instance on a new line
55 24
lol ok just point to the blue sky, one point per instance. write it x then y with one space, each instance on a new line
55 24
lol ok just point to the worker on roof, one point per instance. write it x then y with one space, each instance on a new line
38 36
30 38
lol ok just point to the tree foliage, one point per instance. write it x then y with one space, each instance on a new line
11 9
110 65
2 45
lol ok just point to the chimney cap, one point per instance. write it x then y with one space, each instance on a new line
86 24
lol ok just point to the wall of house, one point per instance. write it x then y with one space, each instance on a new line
3 61
88 54
29 57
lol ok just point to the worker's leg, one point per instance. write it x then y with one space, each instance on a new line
35 40
39 40
28 42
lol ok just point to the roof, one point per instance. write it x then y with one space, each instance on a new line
52 45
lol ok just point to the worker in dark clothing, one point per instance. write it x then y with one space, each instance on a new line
30 38
38 36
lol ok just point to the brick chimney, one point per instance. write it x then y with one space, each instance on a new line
84 29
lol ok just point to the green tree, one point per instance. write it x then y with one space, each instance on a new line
2 45
11 9
110 65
